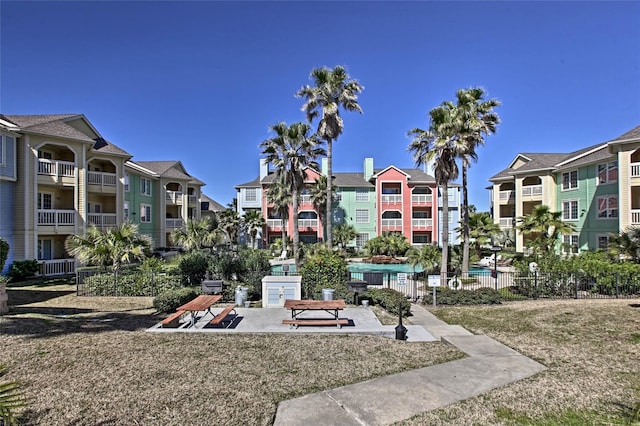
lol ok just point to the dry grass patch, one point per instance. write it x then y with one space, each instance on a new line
591 351
89 361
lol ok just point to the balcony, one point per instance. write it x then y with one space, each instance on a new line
421 199
532 191
635 216
508 196
506 222
307 223
391 198
274 223
391 224
103 182
56 218
58 171
57 267
174 223
174 197
305 199
419 223
635 170
191 199
102 220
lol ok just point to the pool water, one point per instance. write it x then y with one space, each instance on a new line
382 267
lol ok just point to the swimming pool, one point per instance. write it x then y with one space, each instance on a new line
383 267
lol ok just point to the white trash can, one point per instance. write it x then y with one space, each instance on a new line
327 293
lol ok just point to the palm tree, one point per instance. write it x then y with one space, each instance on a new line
482 229
333 89
279 195
343 234
229 222
474 120
544 227
113 247
319 199
426 256
253 221
436 145
397 244
196 234
11 399
626 245
291 151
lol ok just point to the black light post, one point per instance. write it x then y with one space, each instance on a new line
495 250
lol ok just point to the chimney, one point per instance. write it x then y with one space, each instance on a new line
264 168
324 166
368 168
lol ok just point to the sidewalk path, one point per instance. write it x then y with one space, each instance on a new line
489 365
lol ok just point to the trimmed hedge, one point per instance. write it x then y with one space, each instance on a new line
481 296
389 299
23 269
130 284
170 300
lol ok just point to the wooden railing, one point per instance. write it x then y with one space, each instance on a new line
391 223
174 197
391 198
307 223
531 190
274 223
635 169
57 267
56 168
506 222
506 195
635 216
421 198
56 217
102 220
102 179
174 223
421 222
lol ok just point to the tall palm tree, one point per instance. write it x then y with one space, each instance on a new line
437 145
196 234
279 195
229 222
332 90
545 227
319 199
626 246
482 229
343 234
291 151
474 119
427 256
113 247
253 221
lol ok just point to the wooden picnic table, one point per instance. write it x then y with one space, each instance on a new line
200 303
332 307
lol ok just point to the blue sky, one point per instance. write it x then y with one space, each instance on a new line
201 82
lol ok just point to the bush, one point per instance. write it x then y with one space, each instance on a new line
481 296
130 284
324 269
254 266
4 253
170 300
20 270
391 300
193 267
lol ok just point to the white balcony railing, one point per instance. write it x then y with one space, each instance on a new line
532 190
274 223
305 199
421 198
307 223
391 223
57 267
102 220
174 197
174 223
191 199
422 223
391 198
635 216
506 222
56 168
102 179
506 195
635 169
56 217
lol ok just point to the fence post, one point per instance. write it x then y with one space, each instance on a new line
575 282
535 284
617 285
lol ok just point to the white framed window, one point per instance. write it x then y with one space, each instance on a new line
126 210
608 207
45 201
362 216
570 243
603 241
126 181
251 194
608 172
2 148
44 249
145 186
570 180
338 196
47 155
145 213
570 210
361 239
362 195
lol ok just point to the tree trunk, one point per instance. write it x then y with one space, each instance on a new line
465 223
296 233
328 216
444 266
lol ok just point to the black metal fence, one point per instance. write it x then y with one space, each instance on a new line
94 282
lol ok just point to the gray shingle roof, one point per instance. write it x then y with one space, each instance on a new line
599 154
170 169
51 125
252 184
213 204
351 180
630 135
105 146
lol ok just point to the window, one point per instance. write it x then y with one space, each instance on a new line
570 180
570 210
338 195
608 172
2 150
362 194
608 207
251 194
361 239
45 201
47 155
570 244
126 210
44 250
603 242
362 216
145 186
145 213
126 181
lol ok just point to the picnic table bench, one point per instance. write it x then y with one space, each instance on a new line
298 307
220 318
173 320
200 303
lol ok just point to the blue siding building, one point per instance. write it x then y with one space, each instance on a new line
8 179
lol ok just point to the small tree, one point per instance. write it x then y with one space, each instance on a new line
324 269
4 253
343 234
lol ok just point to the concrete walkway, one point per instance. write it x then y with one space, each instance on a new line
489 365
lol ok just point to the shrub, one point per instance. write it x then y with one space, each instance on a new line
193 267
325 269
393 301
481 296
131 284
4 253
170 300
23 269
254 266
